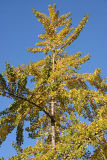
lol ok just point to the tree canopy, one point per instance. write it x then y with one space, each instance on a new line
60 95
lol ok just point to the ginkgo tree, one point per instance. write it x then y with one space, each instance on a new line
59 96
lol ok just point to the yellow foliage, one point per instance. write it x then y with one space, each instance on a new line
59 89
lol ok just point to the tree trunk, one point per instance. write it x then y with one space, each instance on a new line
53 124
53 107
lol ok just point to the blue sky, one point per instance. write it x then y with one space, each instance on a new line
19 29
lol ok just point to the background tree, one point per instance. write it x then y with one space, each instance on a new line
60 95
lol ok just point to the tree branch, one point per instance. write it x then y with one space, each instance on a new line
25 99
